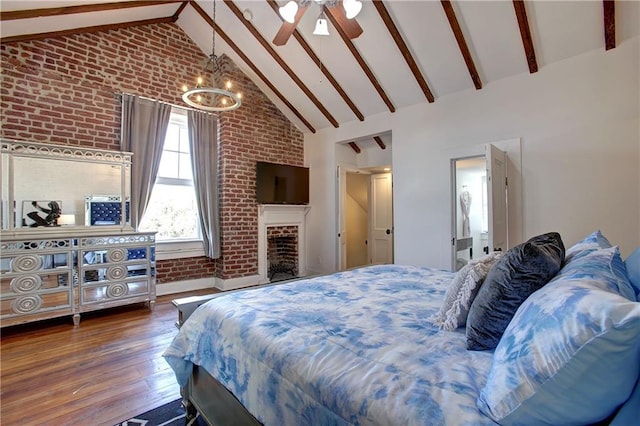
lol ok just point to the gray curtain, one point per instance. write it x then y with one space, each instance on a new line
144 127
203 140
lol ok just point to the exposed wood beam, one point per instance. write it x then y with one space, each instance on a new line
354 146
287 28
462 44
360 61
350 26
179 11
609 24
379 142
86 8
323 68
251 65
94 29
525 33
267 46
402 46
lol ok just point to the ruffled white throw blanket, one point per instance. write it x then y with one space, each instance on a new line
460 294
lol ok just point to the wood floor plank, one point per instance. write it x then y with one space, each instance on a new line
107 370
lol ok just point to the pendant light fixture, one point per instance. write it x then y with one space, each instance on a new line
290 9
205 95
322 28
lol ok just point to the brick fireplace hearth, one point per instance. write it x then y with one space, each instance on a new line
284 222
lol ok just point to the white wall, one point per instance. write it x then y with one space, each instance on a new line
579 129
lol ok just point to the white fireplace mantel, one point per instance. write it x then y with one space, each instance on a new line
281 215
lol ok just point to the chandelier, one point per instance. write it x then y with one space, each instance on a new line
288 12
210 97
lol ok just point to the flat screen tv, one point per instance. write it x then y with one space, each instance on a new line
281 184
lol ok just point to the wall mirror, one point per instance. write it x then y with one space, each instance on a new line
50 188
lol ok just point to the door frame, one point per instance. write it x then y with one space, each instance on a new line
341 188
516 200
341 170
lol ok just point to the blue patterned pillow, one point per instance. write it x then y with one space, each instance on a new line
633 271
594 241
521 271
569 356
606 265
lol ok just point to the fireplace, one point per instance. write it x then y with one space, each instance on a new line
282 252
281 241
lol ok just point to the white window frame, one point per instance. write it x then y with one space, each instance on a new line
179 249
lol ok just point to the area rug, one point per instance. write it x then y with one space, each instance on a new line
170 414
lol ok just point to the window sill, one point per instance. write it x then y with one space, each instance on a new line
179 249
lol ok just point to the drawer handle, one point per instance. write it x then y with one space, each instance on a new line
26 304
26 284
117 290
26 263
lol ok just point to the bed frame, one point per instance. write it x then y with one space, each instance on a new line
217 406
203 394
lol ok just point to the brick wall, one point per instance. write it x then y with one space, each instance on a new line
257 133
64 90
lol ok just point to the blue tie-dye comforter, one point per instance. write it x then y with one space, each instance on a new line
349 348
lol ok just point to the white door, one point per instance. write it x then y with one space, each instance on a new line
341 175
381 208
497 197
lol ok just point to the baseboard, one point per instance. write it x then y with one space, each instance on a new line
236 283
211 282
314 273
185 285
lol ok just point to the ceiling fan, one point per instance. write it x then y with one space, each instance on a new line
343 14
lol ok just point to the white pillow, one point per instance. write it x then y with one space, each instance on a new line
460 294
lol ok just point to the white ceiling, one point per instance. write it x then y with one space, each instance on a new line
559 29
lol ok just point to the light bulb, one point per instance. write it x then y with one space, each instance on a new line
184 88
228 85
199 80
199 98
288 11
239 95
322 28
224 101
351 8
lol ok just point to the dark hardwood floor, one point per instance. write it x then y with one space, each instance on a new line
102 372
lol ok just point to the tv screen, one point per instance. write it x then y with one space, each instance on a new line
281 184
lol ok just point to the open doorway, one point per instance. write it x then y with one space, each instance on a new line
364 202
366 214
471 211
479 205
357 219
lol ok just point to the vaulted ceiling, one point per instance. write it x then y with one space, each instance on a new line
409 51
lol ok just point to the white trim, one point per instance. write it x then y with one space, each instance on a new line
186 285
236 283
166 250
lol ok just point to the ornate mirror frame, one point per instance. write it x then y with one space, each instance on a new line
58 188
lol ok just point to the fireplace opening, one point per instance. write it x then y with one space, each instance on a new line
282 252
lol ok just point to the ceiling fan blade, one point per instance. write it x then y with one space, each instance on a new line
350 26
287 28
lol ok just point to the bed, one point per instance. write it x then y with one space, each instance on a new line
364 347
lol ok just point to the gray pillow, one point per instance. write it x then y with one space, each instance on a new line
461 292
522 270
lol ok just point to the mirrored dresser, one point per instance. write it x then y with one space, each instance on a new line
63 249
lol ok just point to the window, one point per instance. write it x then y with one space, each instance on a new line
172 209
